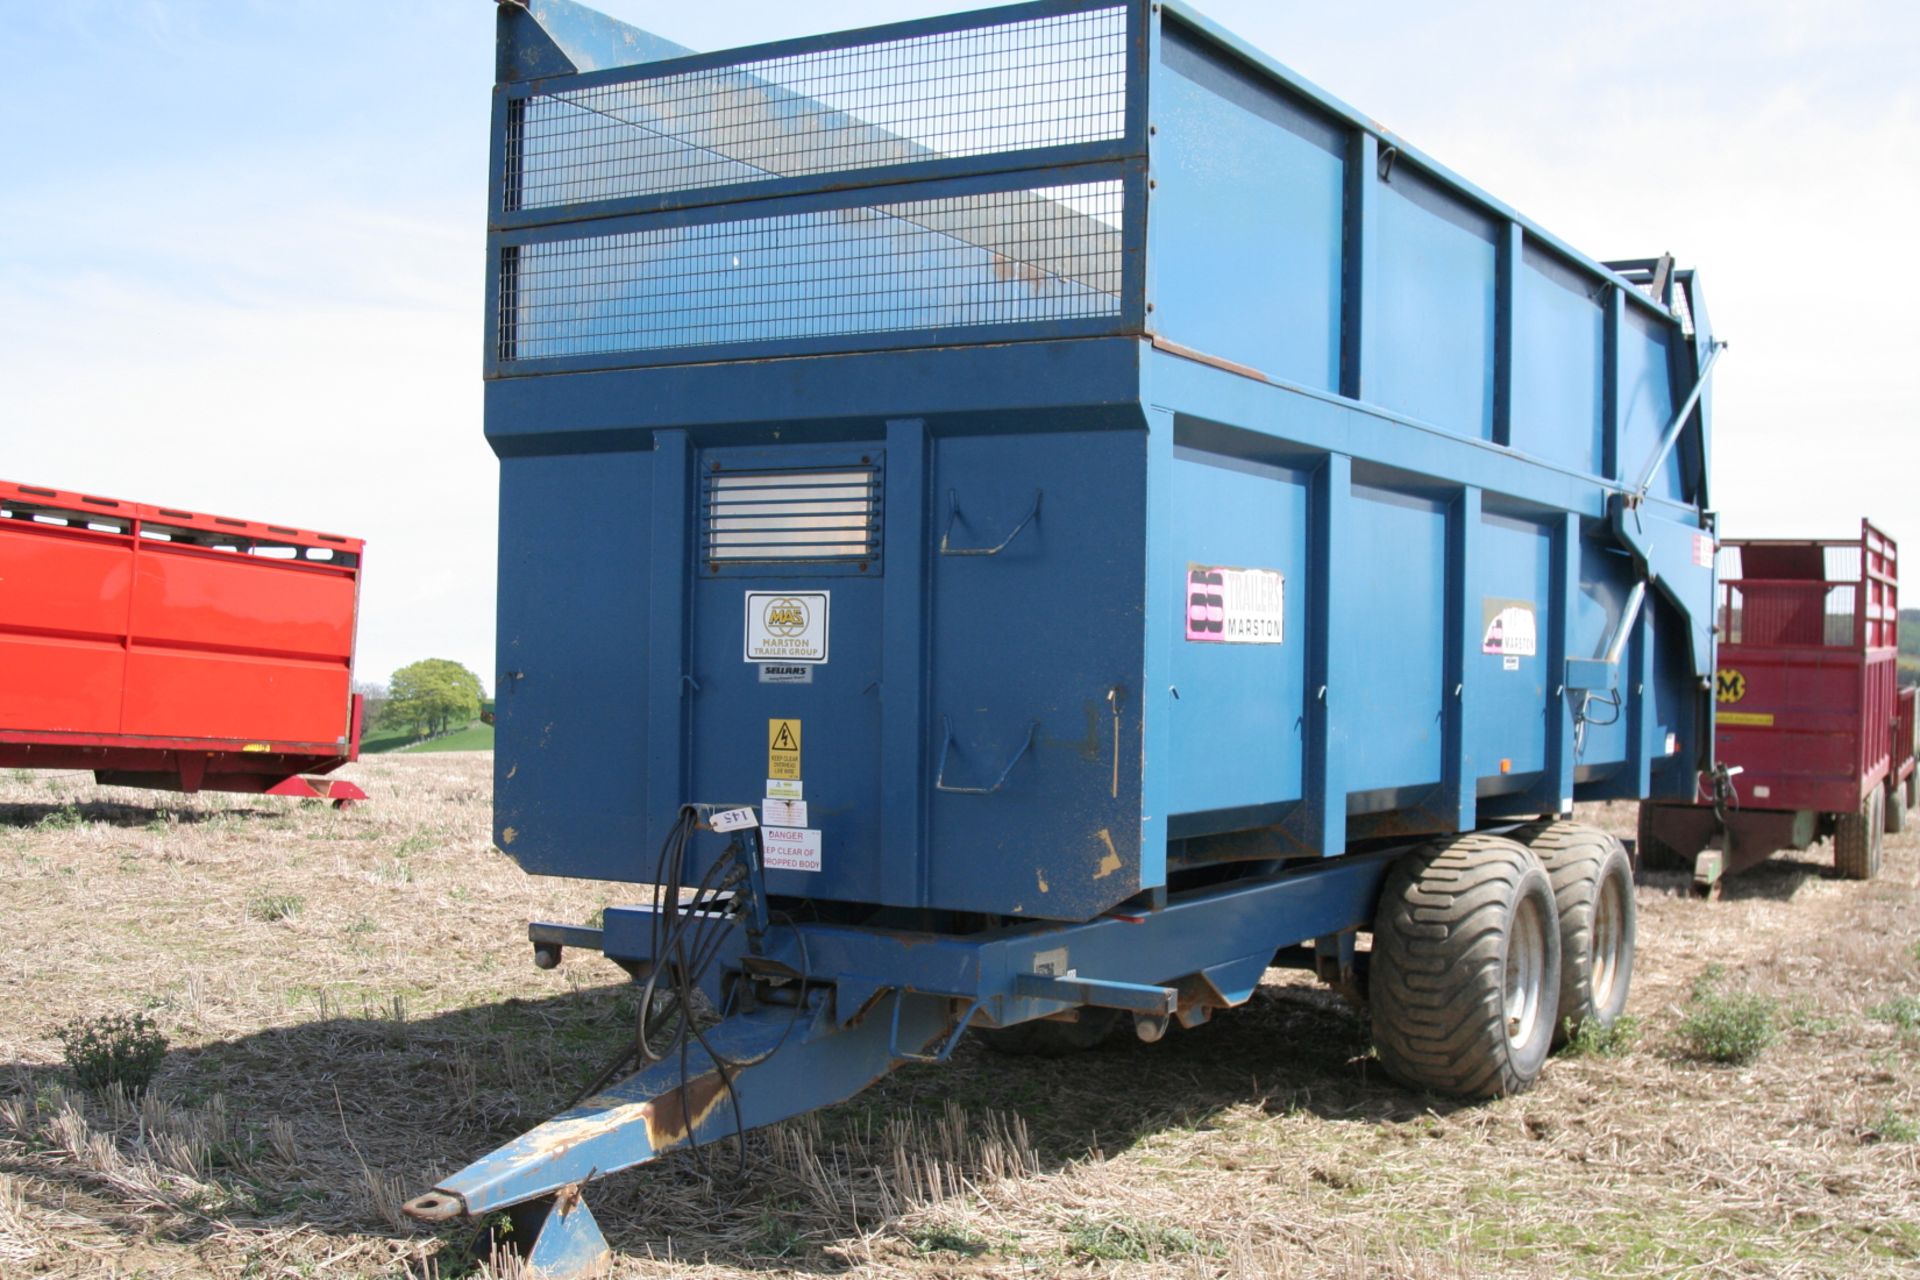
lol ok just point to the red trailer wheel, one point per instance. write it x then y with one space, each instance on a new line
1857 838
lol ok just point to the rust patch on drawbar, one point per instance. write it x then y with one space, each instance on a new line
675 1113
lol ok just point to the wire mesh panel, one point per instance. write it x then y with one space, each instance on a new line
1009 257
1051 81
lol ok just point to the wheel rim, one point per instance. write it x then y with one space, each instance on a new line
1526 966
1609 936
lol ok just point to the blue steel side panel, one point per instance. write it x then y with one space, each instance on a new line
1396 576
1238 736
1041 643
559 37
570 712
1560 351
1264 174
1429 311
1647 401
1508 696
1606 576
1673 738
839 710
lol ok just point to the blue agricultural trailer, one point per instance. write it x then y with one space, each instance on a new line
1023 520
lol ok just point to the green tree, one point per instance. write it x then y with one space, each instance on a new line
432 696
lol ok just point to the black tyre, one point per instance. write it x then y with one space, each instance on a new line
1650 852
1896 803
1466 967
1047 1038
1593 893
1913 790
1857 837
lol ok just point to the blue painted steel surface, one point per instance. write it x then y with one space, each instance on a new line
1010 733
662 1108
1230 484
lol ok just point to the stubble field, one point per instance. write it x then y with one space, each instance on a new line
352 1013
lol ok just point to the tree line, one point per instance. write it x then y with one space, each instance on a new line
427 698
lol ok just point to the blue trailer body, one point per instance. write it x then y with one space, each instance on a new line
1138 463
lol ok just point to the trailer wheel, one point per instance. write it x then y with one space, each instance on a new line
1913 790
1049 1038
1857 837
1593 893
1466 967
1650 852
1896 802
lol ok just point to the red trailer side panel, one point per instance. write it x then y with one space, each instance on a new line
1808 670
127 624
225 646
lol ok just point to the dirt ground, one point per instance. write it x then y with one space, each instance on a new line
353 1012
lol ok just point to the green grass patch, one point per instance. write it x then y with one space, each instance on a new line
276 906
1901 1011
475 737
378 741
123 1049
1724 1027
1125 1240
1894 1127
1591 1040
943 1238
65 818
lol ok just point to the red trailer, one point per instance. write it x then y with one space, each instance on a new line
1813 735
168 649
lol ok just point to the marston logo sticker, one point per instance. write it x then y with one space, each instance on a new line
1729 685
787 627
784 616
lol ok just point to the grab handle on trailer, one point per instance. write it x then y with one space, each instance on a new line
940 782
953 514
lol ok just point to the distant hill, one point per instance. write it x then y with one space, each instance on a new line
477 736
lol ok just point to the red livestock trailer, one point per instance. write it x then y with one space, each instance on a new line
168 649
1813 736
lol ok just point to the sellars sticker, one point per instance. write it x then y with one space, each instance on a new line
790 848
785 673
1235 606
783 748
787 626
1508 627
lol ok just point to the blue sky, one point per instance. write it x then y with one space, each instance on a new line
242 260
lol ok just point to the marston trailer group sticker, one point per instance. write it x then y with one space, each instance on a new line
787 626
1509 628
1236 606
